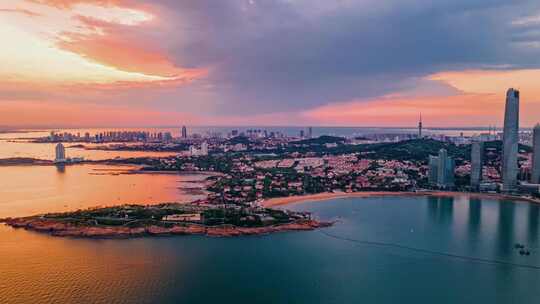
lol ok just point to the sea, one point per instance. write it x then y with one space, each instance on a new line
380 250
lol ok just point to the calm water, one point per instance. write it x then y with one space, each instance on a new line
335 265
27 190
16 145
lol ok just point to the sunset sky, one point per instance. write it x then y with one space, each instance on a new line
263 62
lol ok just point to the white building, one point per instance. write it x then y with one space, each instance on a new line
203 151
60 153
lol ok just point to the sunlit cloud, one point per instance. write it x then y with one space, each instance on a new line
29 59
478 101
26 12
491 81
70 45
112 14
70 3
461 110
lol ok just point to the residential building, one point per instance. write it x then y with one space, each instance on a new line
441 170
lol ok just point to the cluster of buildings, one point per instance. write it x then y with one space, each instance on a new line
250 179
109 136
441 167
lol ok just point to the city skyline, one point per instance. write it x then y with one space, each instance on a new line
73 63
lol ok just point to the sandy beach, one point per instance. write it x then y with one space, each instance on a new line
280 201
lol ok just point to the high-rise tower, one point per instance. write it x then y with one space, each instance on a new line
60 153
441 170
535 175
420 126
509 168
184 132
477 151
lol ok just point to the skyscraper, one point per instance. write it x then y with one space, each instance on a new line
433 170
477 156
535 175
509 164
310 132
184 132
441 170
420 126
60 153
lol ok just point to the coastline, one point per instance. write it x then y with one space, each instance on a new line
297 199
66 229
63 229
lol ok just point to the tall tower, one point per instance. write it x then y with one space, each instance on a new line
442 167
420 126
477 151
535 176
441 170
509 168
60 153
184 132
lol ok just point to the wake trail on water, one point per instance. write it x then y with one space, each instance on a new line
432 252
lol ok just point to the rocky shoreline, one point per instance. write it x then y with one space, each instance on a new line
66 229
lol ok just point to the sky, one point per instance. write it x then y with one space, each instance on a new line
267 62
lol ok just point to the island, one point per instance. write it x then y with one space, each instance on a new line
197 218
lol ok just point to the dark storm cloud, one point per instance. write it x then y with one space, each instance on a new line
275 56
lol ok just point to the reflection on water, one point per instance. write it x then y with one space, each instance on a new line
475 222
300 267
532 217
475 215
60 168
440 209
27 190
505 229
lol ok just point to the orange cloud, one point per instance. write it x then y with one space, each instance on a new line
83 44
493 81
70 3
26 12
113 48
447 111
